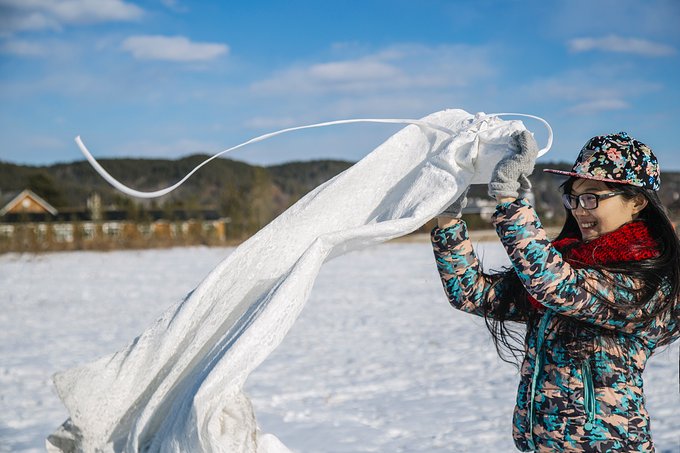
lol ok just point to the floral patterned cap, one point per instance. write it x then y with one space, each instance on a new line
616 158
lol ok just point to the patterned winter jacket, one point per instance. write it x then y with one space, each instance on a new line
593 404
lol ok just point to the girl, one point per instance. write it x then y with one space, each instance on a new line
595 302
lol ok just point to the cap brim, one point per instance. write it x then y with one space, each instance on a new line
582 176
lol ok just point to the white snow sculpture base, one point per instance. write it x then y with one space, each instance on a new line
178 386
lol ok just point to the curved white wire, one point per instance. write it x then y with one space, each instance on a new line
548 145
159 193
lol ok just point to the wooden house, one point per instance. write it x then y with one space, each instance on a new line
25 204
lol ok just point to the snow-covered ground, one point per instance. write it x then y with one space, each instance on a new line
377 362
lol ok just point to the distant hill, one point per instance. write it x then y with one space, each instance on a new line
251 195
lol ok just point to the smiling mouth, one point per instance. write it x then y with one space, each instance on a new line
588 225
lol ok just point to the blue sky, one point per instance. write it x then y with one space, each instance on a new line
168 78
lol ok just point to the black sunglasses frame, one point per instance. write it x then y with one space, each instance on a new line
571 202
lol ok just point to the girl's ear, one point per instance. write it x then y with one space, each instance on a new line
639 203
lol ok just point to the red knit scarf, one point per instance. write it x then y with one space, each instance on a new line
631 242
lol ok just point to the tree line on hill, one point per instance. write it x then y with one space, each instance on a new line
249 195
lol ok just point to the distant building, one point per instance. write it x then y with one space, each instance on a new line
29 223
25 204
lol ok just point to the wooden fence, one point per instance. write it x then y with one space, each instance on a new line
87 235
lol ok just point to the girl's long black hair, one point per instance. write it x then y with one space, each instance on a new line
652 274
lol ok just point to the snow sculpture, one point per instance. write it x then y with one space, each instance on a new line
178 386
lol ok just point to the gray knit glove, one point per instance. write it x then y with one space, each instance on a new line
455 210
511 173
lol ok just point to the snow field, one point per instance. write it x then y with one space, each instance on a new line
377 362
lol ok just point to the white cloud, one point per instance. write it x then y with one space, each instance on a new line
613 43
344 76
406 80
23 48
45 143
599 105
395 68
24 15
172 48
10 23
591 90
591 83
266 122
70 83
350 71
174 5
386 105
581 17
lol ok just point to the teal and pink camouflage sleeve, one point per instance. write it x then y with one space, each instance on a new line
467 287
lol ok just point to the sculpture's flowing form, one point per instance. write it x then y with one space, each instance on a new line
178 386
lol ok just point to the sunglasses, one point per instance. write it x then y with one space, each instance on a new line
586 200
